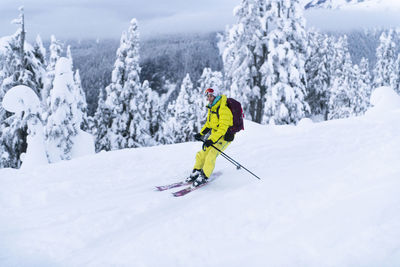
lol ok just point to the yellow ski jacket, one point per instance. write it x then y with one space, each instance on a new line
219 119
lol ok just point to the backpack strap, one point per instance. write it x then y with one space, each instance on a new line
215 112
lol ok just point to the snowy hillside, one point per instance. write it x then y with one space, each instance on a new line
371 5
329 196
331 3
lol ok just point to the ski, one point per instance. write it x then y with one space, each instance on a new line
187 190
169 186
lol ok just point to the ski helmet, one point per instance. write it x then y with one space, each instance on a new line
210 91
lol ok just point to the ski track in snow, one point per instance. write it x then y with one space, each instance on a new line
329 196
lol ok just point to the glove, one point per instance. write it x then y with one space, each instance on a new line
198 137
207 143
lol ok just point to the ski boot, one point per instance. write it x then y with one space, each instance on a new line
202 179
193 176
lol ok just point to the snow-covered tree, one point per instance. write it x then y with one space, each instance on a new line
363 88
319 72
55 53
351 89
20 64
385 63
180 124
40 51
139 132
263 55
24 102
184 112
65 118
102 122
395 77
107 109
342 89
244 51
123 98
81 101
153 111
283 72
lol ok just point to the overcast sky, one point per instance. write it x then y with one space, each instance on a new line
108 18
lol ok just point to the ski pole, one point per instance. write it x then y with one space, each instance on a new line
234 162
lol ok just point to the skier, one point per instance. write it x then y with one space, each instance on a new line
219 119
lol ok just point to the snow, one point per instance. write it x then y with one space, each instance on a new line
329 196
368 5
381 5
21 98
63 66
35 152
384 99
83 144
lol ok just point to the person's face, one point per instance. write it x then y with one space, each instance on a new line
210 98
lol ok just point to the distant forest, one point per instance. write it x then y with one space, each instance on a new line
163 58
170 57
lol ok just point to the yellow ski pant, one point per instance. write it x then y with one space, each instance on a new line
205 160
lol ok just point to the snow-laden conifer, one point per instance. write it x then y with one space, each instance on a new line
125 125
20 64
153 112
319 72
363 88
81 101
263 55
55 53
108 100
65 118
244 50
351 89
385 60
342 89
180 124
395 77
283 72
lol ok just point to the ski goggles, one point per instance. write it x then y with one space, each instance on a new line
209 91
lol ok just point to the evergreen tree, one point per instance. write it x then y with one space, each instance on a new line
153 111
102 122
244 51
352 85
385 64
55 54
264 56
395 77
341 91
169 126
139 128
81 101
180 123
20 64
108 101
124 99
40 51
65 118
283 72
319 72
184 112
363 88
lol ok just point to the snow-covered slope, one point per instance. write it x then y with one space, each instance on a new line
329 196
370 5
331 3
